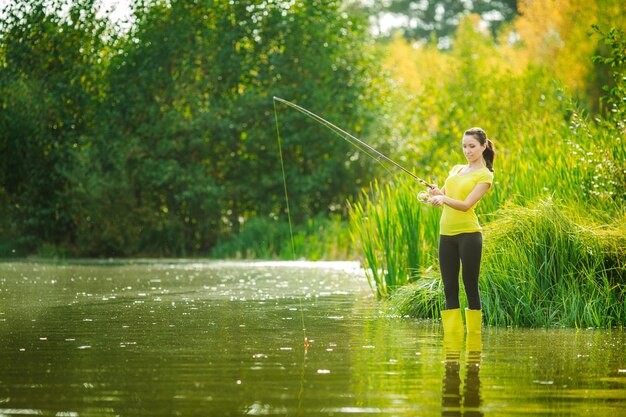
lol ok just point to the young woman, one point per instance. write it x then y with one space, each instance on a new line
460 240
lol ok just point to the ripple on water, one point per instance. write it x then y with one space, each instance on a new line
226 338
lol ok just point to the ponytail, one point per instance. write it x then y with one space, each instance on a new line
489 154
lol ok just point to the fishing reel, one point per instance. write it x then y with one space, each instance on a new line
423 196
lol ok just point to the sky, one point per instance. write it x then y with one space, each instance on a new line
121 8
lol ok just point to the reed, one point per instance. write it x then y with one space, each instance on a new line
423 298
543 266
546 265
394 236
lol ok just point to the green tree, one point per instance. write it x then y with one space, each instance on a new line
191 99
49 91
161 140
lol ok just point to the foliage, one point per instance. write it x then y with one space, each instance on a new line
266 238
557 35
548 149
615 39
544 265
50 88
161 140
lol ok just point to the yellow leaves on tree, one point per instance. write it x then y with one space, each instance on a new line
416 65
556 33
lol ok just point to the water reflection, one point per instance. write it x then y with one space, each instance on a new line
220 339
453 403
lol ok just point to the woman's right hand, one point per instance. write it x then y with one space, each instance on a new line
436 201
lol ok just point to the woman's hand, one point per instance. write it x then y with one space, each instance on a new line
435 191
437 200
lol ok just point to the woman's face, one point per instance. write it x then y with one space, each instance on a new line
472 148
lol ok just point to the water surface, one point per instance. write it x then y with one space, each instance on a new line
157 338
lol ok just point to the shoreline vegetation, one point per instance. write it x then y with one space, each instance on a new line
160 142
554 222
544 265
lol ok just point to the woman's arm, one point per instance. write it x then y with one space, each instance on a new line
471 199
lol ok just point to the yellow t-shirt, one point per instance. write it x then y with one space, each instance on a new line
458 187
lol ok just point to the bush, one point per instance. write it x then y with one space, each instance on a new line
267 238
547 265
543 265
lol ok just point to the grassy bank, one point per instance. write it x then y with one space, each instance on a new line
543 265
554 218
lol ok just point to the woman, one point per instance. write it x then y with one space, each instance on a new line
460 240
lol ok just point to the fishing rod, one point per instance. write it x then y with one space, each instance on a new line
422 196
354 138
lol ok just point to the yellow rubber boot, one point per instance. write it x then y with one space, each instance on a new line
474 320
452 321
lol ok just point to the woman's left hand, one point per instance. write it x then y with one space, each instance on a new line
435 190
436 201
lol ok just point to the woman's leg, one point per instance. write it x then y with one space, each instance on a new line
449 263
470 250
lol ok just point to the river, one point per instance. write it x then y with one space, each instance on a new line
216 338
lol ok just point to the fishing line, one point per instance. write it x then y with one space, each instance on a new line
351 139
293 246
282 167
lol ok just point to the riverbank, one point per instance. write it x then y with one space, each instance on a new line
543 266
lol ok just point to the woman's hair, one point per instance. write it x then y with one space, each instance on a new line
481 136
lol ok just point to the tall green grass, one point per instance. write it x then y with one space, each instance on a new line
543 265
394 236
551 264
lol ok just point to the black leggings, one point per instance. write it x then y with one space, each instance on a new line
465 248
